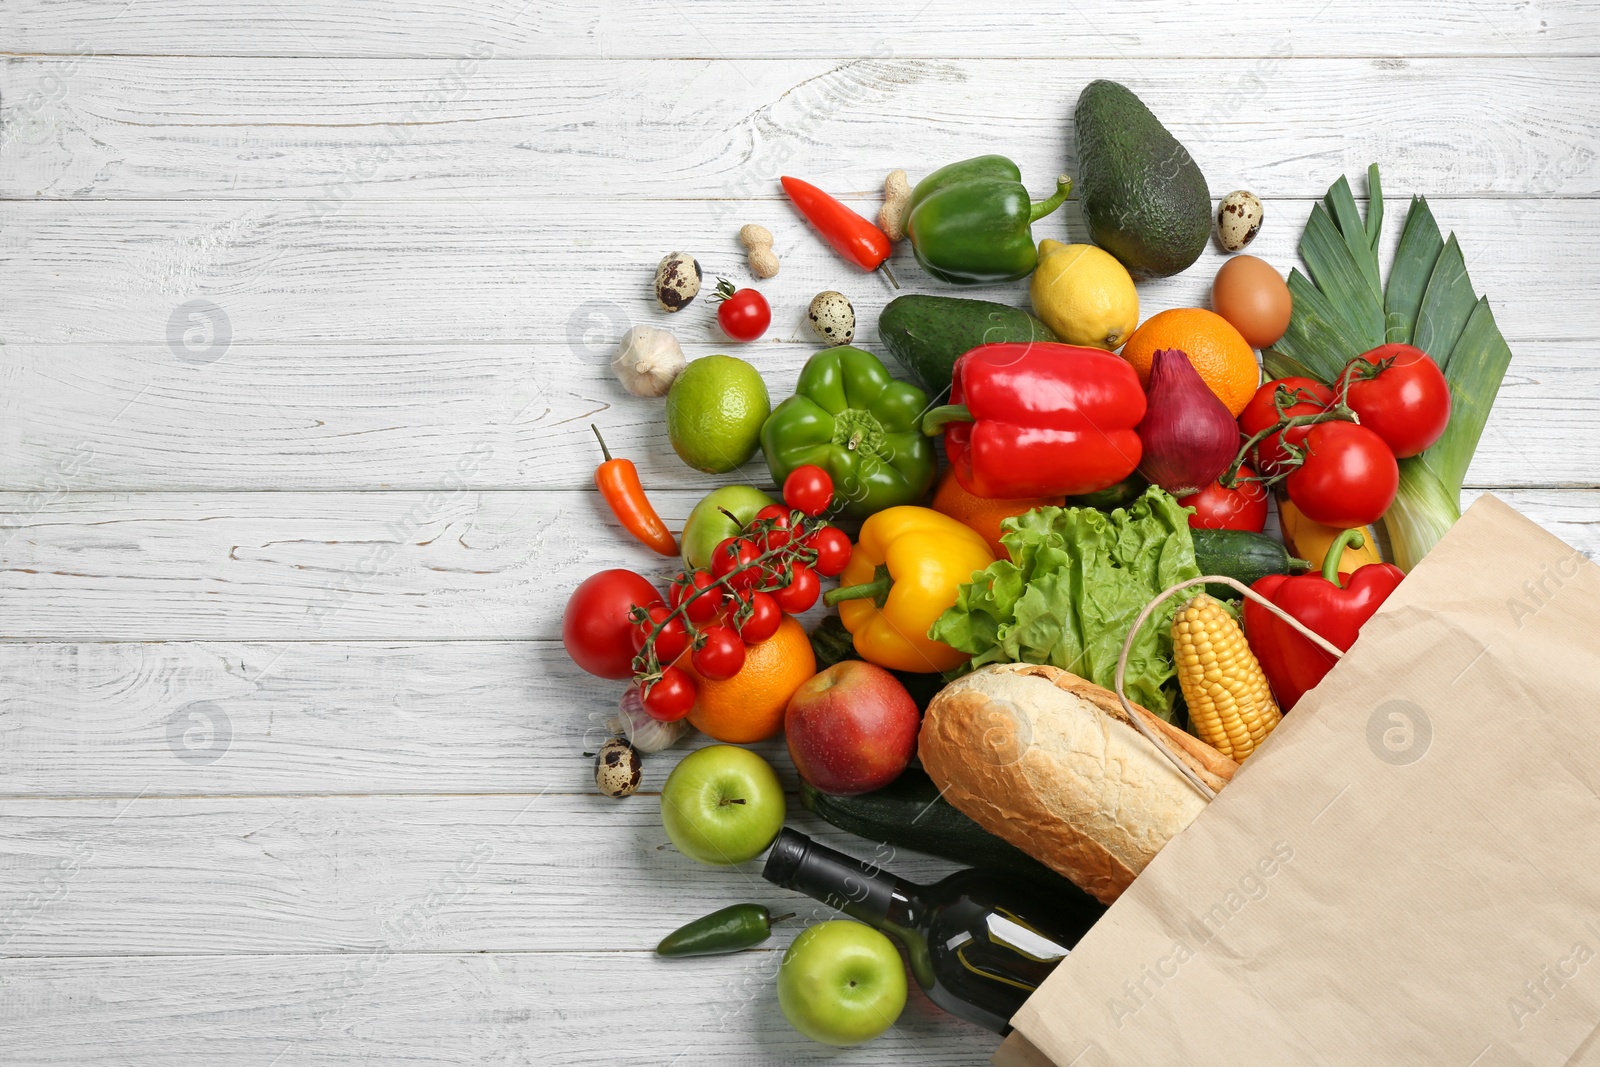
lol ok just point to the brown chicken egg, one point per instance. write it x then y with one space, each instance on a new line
1252 296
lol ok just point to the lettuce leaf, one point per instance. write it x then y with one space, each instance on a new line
1076 580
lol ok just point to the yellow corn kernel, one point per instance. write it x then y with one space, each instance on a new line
1230 706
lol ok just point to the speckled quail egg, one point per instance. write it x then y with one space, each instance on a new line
677 281
833 320
617 768
1238 219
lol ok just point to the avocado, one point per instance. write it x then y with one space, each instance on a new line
927 334
1142 195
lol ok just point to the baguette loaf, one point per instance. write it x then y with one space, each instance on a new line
1051 762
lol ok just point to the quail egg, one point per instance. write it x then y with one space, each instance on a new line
617 769
1238 220
832 318
677 281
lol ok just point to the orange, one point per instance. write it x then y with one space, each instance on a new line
749 706
982 514
1218 352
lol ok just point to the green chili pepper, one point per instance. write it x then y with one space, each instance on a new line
733 928
971 223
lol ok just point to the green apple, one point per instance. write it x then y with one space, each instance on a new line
722 805
708 526
841 983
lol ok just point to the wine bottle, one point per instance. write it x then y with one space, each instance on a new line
978 943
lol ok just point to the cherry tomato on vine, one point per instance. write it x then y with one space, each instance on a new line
721 656
671 697
1348 479
597 629
1262 412
1400 395
777 534
743 314
765 618
670 642
802 591
833 551
703 604
1242 507
731 555
808 490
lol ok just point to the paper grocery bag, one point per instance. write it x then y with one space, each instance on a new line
1407 872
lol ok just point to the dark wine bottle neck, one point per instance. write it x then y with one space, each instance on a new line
852 886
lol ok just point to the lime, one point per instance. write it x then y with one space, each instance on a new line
714 413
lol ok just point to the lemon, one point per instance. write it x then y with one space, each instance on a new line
715 409
1084 295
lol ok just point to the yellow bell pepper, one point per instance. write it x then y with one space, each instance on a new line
903 574
1311 540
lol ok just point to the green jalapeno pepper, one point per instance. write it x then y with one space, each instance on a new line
971 223
739 926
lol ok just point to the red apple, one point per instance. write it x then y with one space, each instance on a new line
851 729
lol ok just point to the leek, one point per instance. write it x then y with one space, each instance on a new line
1343 309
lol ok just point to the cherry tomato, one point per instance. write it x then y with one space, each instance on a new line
1406 402
802 591
1243 507
1349 477
765 618
703 604
596 627
743 314
721 656
808 490
673 639
1261 412
777 534
671 697
732 554
833 550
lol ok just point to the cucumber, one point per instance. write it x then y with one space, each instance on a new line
909 813
927 334
1113 497
1241 555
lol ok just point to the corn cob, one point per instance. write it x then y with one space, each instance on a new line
1230 706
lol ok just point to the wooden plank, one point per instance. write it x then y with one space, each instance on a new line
529 872
345 417
596 1009
1127 32
403 566
175 128
455 272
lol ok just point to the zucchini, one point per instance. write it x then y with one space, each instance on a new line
1241 555
910 813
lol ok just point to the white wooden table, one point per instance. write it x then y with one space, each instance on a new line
306 308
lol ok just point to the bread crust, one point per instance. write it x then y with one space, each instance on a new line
1051 762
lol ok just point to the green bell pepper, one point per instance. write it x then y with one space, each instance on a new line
849 417
971 223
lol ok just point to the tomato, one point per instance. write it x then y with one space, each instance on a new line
703 604
833 550
671 697
765 618
1349 477
1405 400
802 591
671 641
731 555
743 314
808 489
775 519
596 627
1243 507
1262 412
721 656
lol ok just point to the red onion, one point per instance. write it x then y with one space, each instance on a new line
1188 435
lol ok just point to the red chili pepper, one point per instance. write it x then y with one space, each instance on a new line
1292 663
618 482
1030 419
852 236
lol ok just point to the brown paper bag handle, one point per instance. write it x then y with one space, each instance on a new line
1144 616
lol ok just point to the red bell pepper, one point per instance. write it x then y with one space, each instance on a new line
1037 418
1292 663
852 236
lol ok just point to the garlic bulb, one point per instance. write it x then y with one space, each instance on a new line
647 735
647 360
